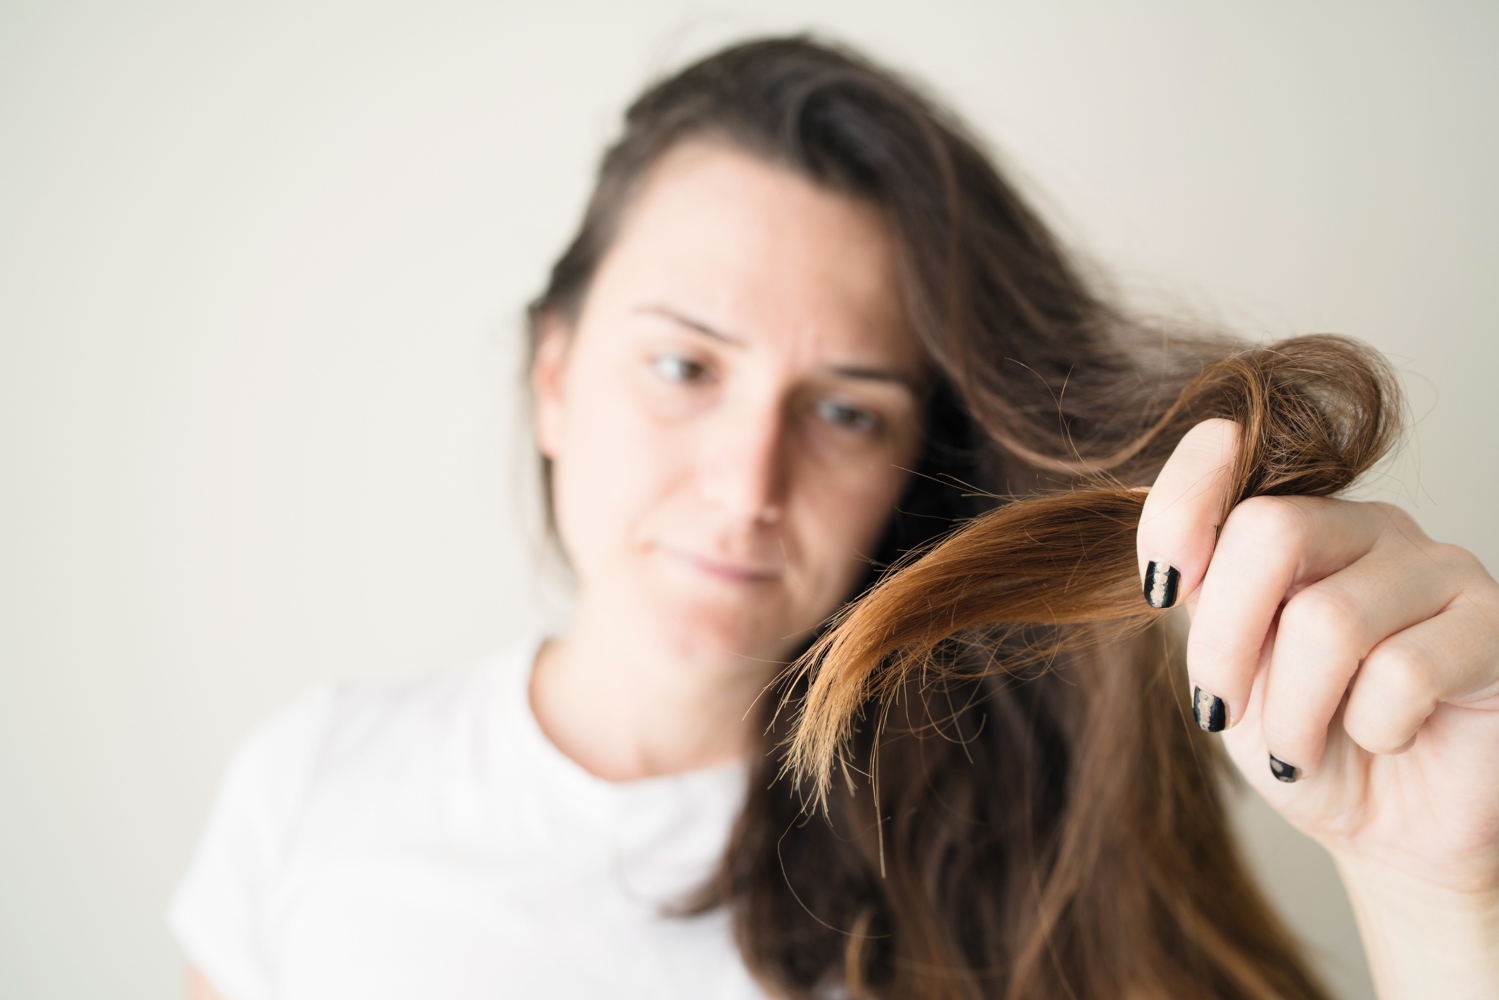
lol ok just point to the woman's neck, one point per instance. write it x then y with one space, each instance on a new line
624 706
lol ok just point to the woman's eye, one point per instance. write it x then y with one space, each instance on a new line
849 418
675 368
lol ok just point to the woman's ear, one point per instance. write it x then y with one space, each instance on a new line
548 372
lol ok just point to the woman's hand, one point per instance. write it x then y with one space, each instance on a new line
1354 664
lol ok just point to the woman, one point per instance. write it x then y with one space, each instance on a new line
804 328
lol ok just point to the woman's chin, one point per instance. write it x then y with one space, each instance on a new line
710 638
708 628
704 617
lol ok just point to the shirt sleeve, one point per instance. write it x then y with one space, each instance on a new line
218 911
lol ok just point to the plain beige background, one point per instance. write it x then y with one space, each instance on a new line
261 268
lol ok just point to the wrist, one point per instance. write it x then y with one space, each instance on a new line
1423 938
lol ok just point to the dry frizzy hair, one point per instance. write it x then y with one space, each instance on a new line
1046 823
1057 573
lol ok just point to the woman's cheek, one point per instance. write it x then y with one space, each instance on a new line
850 516
603 477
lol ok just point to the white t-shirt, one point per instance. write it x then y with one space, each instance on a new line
424 839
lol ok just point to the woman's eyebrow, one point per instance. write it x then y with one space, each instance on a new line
861 372
698 325
878 375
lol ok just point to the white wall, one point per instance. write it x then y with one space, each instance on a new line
260 272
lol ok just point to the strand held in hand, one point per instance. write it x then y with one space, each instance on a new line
1050 574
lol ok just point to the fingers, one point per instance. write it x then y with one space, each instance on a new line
1449 658
1302 601
1326 629
1268 546
1179 522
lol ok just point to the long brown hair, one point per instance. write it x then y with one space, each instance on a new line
1052 829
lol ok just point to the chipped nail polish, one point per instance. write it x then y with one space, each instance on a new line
1161 581
1211 712
1283 771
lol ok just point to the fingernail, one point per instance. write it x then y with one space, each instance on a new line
1212 714
1283 771
1161 581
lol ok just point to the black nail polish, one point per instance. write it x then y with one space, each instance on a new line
1161 581
1283 771
1212 714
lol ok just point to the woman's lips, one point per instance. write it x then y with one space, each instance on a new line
724 569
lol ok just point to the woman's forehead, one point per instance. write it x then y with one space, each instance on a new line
755 247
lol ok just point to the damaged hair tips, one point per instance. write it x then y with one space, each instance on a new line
1056 573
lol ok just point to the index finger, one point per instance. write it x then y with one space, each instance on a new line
1179 522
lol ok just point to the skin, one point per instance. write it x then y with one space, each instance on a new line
730 420
1348 643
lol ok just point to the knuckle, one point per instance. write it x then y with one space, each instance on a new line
1399 521
1396 691
1325 617
1406 672
1457 560
1376 734
1441 564
1269 520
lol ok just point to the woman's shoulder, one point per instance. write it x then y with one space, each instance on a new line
348 765
378 729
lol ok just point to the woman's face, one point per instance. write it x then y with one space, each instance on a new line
731 417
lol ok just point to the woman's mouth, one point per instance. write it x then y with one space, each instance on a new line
724 569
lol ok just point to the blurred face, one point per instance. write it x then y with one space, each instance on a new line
732 414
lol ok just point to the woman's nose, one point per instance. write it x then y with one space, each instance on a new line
743 464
